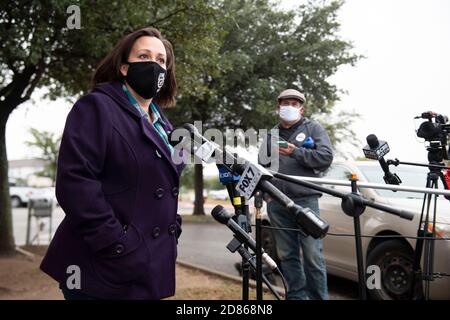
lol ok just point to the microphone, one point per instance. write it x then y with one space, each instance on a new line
309 222
376 150
223 216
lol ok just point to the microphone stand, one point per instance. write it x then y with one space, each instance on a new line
353 205
429 189
262 185
397 162
355 211
258 206
252 177
241 213
236 245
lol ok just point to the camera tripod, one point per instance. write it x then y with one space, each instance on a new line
426 231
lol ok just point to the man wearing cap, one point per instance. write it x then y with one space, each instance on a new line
304 150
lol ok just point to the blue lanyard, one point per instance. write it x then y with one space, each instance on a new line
157 122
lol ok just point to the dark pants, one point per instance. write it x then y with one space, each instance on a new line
305 279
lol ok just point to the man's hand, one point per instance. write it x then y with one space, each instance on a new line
287 151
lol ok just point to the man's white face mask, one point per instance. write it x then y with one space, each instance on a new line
289 113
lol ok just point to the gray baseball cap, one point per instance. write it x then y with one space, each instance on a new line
292 94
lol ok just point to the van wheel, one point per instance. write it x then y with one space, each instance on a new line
395 260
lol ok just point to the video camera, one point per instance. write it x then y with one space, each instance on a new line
436 133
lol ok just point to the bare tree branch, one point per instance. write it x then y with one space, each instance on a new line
38 75
174 13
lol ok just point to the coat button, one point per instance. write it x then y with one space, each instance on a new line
119 248
172 229
175 192
159 193
155 232
158 154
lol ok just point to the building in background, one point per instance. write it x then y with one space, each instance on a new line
25 171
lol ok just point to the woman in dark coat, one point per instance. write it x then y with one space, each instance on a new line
117 182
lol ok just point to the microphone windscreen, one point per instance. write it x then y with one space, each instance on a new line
220 214
372 141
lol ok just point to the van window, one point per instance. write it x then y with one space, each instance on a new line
337 172
410 176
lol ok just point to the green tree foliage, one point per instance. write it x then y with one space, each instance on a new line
187 177
48 145
39 50
233 57
264 51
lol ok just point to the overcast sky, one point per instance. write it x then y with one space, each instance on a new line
406 71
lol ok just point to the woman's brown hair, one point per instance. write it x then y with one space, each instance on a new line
109 68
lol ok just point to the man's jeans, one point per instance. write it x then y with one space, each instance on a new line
307 279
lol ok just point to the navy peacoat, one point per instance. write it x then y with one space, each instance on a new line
118 187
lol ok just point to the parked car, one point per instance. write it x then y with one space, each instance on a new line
394 256
218 194
20 195
45 193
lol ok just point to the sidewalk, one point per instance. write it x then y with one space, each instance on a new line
21 279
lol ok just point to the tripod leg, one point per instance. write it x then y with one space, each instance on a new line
425 243
426 252
416 287
429 256
359 259
259 281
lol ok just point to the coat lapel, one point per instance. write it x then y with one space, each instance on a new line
169 128
115 91
150 133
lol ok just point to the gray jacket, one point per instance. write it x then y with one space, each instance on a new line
309 162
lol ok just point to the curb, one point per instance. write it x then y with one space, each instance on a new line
225 276
26 253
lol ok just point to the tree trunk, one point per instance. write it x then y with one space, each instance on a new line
16 92
199 208
7 244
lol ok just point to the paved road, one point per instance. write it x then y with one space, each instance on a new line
205 244
20 225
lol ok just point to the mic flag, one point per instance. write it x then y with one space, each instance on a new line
375 149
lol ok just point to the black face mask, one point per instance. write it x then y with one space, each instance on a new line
145 78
